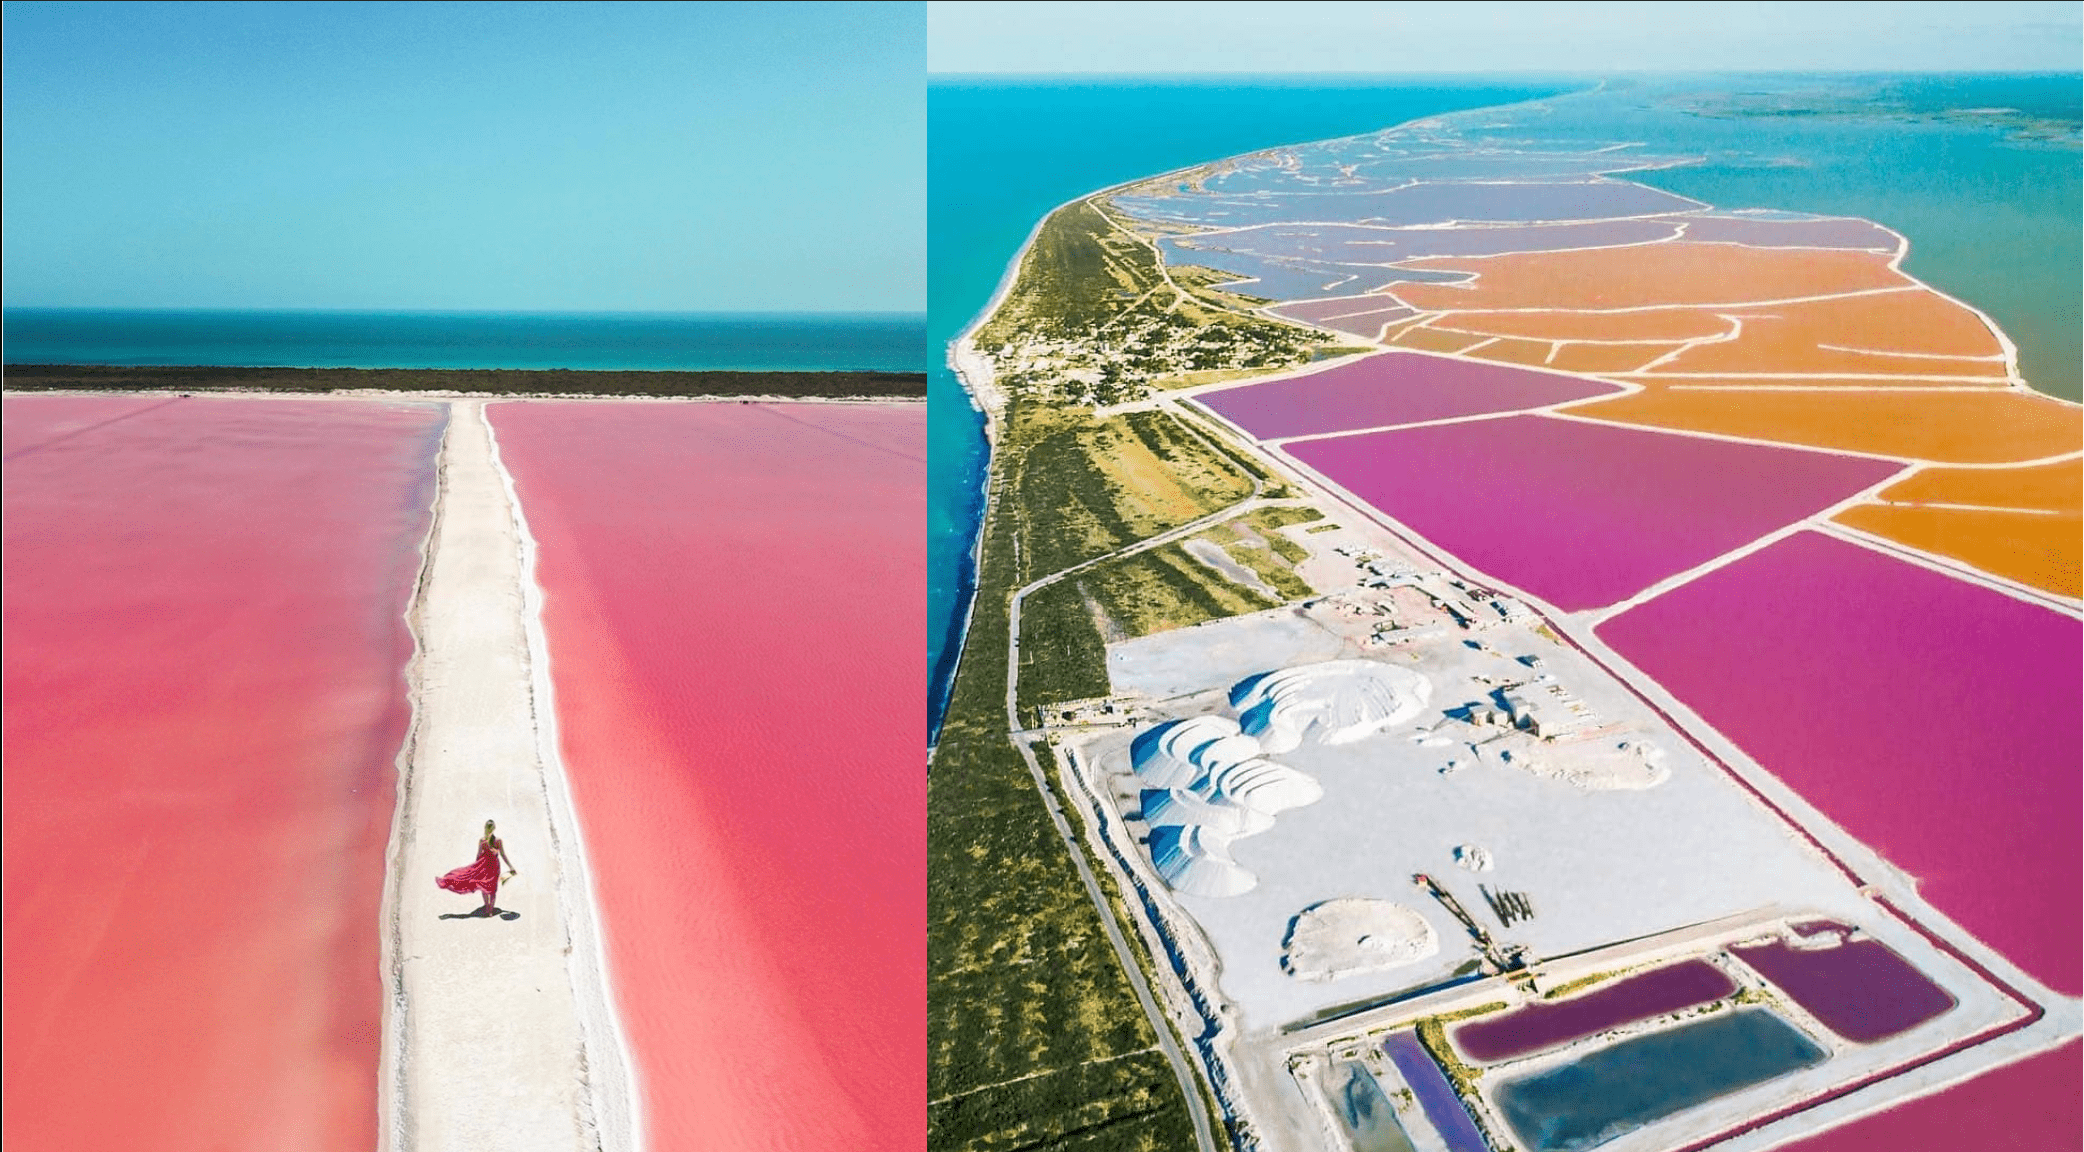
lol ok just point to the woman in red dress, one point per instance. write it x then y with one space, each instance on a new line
482 874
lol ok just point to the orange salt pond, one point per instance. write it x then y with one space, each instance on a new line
2040 549
1607 359
2057 487
1993 427
1918 332
1531 352
1649 276
1668 326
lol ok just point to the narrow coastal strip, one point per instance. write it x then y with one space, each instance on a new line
498 1033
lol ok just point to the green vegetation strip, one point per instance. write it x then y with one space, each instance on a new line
476 381
1035 1038
1023 988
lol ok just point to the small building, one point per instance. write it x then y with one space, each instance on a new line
1484 713
1536 718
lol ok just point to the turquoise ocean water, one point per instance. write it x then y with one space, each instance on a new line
580 340
1003 152
1993 217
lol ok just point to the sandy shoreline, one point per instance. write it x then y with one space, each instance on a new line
500 1032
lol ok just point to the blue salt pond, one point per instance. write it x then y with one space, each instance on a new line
1619 1089
1436 1097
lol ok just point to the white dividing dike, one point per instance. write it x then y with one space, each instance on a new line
500 1032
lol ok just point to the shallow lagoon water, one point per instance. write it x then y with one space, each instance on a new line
1370 1122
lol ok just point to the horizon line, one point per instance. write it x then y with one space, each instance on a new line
1515 72
394 311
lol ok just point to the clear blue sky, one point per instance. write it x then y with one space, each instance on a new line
679 157
1547 37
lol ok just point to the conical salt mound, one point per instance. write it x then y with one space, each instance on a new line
1334 702
1196 862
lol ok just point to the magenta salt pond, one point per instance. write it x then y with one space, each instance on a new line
1391 388
1551 1023
1859 989
1584 514
1933 718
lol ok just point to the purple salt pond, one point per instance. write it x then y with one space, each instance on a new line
1318 311
1831 232
1363 317
1581 514
1366 325
1289 278
1425 204
1551 1023
1934 719
1860 989
1354 244
1392 388
1436 1097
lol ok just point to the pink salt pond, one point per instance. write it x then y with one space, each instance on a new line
1934 719
1391 388
2030 1106
1583 514
1859 988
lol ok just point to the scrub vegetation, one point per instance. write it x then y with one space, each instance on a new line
1035 1039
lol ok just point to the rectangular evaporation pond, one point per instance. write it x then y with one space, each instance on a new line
1442 1106
2037 1098
204 698
1370 1123
1887 693
1547 1024
1584 514
1389 389
1639 1081
1860 989
732 607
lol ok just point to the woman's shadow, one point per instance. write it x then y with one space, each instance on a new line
481 914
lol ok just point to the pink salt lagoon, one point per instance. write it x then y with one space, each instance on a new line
1578 513
205 619
734 596
1934 719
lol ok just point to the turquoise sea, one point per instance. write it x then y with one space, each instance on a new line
889 342
1002 152
1992 212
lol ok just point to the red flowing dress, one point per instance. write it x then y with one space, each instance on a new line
480 875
